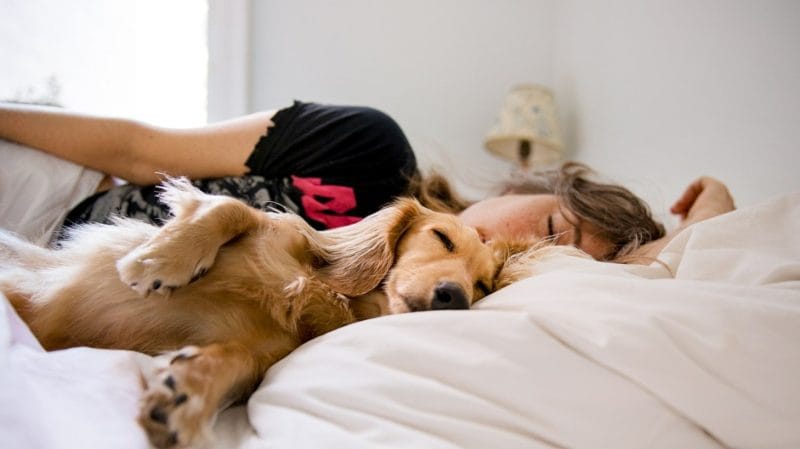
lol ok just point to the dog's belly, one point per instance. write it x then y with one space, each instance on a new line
156 324
96 309
81 301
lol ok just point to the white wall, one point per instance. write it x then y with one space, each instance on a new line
228 59
440 68
652 93
656 93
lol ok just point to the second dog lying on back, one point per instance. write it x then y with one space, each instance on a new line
230 290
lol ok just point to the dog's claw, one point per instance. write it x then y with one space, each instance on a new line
180 399
158 415
186 353
198 274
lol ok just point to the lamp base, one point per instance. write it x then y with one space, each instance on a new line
524 152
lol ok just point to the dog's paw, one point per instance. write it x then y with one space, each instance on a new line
154 268
174 412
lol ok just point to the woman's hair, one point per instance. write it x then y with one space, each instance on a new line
435 192
618 216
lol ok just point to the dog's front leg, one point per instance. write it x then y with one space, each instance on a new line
186 246
189 387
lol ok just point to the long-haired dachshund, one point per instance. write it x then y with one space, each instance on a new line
222 291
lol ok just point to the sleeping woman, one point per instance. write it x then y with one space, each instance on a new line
332 165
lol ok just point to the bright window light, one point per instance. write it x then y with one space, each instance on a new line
141 59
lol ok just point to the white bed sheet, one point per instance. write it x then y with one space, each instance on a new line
582 355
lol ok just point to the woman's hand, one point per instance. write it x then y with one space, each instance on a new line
704 198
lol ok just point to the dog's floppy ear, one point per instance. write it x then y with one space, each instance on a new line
354 259
517 258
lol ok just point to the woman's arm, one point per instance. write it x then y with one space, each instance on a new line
132 150
704 198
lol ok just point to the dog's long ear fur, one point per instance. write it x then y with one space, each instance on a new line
518 258
354 259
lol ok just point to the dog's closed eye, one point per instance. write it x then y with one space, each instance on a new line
446 242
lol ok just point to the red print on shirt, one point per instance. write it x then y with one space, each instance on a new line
326 203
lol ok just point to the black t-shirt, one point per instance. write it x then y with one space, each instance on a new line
333 165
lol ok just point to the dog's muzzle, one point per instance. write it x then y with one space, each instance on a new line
449 296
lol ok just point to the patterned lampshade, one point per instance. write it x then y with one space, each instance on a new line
527 130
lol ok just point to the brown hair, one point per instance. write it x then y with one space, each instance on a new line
619 216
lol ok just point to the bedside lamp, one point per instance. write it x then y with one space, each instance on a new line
527 131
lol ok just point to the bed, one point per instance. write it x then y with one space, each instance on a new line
700 352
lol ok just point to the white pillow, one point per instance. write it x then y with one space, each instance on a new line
38 189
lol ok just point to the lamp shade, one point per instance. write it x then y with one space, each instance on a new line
527 128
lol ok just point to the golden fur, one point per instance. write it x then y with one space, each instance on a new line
230 290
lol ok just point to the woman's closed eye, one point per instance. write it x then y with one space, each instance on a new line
553 233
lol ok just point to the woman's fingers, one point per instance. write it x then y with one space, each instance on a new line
704 198
687 200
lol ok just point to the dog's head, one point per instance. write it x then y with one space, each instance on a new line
439 264
422 260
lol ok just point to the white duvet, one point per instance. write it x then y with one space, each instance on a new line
582 355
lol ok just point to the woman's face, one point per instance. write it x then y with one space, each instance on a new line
539 216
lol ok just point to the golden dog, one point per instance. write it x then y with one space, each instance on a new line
231 290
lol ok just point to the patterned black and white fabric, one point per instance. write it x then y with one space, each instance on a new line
143 203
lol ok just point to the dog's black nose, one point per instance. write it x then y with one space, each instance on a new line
449 295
